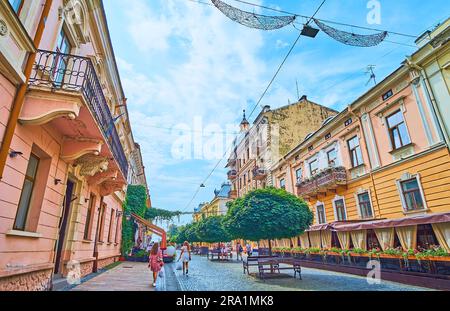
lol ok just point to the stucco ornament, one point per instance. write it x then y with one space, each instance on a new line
3 28
91 164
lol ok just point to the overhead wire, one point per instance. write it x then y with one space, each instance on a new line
257 103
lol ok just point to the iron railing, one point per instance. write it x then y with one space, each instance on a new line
326 180
66 72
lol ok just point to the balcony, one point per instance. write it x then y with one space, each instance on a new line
231 162
259 174
326 181
68 76
232 174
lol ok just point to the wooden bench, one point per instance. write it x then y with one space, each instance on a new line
253 261
220 255
273 265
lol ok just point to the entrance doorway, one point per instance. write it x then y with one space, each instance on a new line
68 199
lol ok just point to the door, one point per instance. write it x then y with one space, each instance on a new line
68 199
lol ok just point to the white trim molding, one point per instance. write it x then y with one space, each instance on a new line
405 177
358 207
337 198
318 203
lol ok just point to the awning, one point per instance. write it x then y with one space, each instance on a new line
391 223
155 229
332 225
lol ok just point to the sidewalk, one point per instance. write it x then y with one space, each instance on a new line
128 276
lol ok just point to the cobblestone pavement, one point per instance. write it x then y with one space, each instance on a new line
205 275
128 276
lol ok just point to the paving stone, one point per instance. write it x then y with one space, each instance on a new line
205 275
129 276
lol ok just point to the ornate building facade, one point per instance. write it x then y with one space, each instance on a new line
377 175
66 143
272 135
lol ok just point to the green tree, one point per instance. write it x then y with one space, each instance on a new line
211 230
135 202
187 233
267 214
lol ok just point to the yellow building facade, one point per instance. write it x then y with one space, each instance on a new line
378 174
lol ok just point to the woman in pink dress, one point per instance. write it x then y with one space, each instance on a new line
155 262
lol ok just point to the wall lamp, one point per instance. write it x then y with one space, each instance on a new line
14 154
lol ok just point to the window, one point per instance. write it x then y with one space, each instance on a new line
328 136
111 221
365 207
283 183
64 47
388 95
348 122
412 196
397 130
321 214
90 211
27 193
314 167
332 157
16 5
298 175
339 206
355 152
102 222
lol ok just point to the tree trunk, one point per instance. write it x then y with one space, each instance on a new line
270 247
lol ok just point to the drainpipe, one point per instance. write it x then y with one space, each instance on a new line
20 95
97 233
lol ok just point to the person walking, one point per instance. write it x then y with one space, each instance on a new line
249 249
239 251
155 262
185 256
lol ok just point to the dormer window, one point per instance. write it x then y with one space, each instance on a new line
388 95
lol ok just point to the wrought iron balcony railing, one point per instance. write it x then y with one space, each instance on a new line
232 174
73 73
259 173
328 179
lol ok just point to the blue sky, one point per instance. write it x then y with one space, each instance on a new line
180 60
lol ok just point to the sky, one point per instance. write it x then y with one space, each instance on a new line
188 70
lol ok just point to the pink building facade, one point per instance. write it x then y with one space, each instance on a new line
65 176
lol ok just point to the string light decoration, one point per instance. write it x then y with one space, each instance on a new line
350 38
253 20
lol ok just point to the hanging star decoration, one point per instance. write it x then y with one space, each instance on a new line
350 38
253 20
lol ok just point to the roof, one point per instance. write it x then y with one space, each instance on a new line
224 191
384 223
